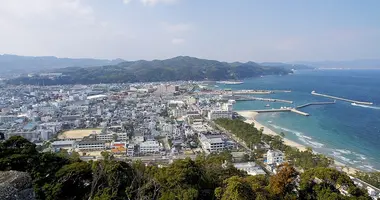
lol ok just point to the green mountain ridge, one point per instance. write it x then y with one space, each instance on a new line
174 69
13 64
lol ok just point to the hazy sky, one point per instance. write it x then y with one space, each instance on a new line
228 30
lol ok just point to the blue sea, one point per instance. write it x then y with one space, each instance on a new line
348 133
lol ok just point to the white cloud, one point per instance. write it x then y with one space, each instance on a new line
44 8
178 41
127 1
154 2
180 27
66 28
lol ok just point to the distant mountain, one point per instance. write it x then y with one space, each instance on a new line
287 65
12 64
178 68
359 64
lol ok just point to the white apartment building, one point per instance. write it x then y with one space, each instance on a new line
130 150
8 118
216 114
31 136
63 144
227 107
151 146
275 157
122 136
46 134
91 145
250 167
212 143
111 136
167 128
178 112
105 137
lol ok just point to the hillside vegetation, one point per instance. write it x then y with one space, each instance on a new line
60 176
178 68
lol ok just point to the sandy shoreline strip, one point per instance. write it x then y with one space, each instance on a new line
250 117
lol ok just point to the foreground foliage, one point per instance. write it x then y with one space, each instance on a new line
63 176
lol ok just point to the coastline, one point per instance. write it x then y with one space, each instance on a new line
250 117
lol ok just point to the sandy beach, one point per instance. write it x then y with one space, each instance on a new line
250 117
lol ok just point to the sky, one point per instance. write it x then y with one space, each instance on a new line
226 30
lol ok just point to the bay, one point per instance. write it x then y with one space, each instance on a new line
348 133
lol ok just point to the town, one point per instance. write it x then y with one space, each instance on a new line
149 122
155 123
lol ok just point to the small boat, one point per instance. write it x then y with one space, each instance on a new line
267 105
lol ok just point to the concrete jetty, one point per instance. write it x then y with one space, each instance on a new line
283 110
287 109
342 99
299 112
250 98
315 103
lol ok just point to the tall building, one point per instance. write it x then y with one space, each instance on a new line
151 146
212 143
275 157
216 114
167 89
91 145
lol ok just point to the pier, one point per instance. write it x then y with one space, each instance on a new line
250 98
283 110
315 103
342 99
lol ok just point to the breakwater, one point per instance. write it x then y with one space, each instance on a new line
342 99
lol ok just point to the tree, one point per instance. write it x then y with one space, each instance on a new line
326 183
235 188
245 158
74 156
106 155
283 182
73 181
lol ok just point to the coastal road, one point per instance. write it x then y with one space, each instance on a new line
239 141
365 185
229 134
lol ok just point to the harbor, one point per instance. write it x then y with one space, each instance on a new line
294 110
282 110
251 98
341 99
315 103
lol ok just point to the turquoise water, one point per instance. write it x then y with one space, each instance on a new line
348 133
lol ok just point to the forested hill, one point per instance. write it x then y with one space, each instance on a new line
63 176
13 64
178 68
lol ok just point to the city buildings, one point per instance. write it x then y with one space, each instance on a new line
250 167
275 157
151 146
212 143
91 145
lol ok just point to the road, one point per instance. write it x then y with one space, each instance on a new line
365 185
229 134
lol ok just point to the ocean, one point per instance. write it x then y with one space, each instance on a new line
348 133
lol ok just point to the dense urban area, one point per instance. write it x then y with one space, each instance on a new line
172 140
